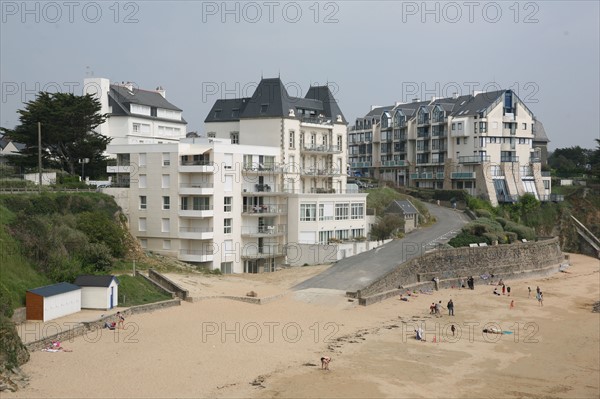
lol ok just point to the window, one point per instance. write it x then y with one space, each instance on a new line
142 224
226 267
143 202
166 159
235 137
211 135
228 164
166 203
483 127
524 126
142 181
292 143
165 225
143 243
264 108
235 113
136 128
326 211
227 223
341 211
227 201
339 142
459 125
142 159
217 114
166 244
228 186
166 181
358 211
453 126
458 140
308 212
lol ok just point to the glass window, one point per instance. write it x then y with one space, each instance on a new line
308 212
227 201
143 203
227 224
166 203
166 225
142 224
166 159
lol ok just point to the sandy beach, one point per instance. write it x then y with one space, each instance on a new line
223 348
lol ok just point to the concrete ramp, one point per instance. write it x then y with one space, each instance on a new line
323 296
587 236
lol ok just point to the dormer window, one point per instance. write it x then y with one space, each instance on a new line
235 113
264 108
217 113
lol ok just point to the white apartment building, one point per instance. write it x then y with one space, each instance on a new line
482 143
136 116
266 185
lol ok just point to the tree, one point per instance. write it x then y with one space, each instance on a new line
571 160
386 226
68 123
595 160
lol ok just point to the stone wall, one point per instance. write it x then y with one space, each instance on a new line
154 283
19 315
168 284
455 263
317 254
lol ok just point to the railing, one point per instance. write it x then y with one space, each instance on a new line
315 119
423 135
320 190
197 208
535 160
546 173
265 251
509 159
393 163
462 175
263 168
360 164
474 159
319 172
423 149
508 198
421 175
196 185
256 209
248 230
202 162
321 148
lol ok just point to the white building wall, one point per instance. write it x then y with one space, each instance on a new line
61 305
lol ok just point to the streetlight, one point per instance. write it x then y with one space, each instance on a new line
83 161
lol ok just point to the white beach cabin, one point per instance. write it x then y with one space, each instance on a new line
52 301
98 292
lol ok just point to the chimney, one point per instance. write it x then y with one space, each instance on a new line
129 86
161 91
415 100
455 95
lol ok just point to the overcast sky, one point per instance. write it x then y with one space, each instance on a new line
371 53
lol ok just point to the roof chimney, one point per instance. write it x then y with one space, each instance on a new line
161 91
415 100
129 86
455 95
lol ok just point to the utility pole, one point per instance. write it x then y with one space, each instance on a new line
40 155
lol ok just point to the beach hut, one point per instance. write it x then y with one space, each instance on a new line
98 292
52 301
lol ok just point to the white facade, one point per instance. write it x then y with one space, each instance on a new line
130 122
62 304
100 297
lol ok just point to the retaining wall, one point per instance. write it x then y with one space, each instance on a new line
168 284
449 265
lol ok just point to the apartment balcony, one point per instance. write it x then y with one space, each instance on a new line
535 159
546 173
118 169
321 190
319 172
199 212
421 176
424 149
474 159
321 149
195 255
196 167
196 189
552 198
262 252
462 175
263 231
423 135
264 169
509 159
508 198
196 233
263 190
264 210
439 175
315 120
355 165
393 163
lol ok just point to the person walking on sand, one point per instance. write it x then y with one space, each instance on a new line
325 362
120 320
453 329
508 290
529 289
450 308
512 304
537 290
503 289
541 298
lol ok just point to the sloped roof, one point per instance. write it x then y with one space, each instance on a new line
54 289
142 97
405 206
272 100
539 132
95 281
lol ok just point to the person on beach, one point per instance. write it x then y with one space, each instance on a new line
450 308
512 304
540 298
508 290
325 362
461 283
432 308
120 320
529 289
438 309
537 290
503 289
453 329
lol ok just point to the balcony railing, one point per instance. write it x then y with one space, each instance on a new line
198 162
261 209
546 173
360 164
393 163
196 185
474 159
415 176
259 168
263 230
197 208
265 251
321 148
462 175
535 159
315 119
319 172
509 159
320 190
195 229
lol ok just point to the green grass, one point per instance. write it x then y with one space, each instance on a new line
137 291
17 274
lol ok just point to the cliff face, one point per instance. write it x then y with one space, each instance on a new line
12 355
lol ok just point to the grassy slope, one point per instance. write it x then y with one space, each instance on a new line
17 274
137 291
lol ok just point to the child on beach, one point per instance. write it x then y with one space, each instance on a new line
120 320
325 362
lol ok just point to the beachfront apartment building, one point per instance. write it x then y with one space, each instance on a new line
136 116
488 143
266 188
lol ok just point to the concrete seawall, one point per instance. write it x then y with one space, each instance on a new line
450 265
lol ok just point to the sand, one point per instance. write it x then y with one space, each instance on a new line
218 347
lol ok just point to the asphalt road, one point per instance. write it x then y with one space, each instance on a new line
356 272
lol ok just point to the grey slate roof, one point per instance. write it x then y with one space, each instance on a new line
89 280
54 289
119 98
272 100
539 133
403 206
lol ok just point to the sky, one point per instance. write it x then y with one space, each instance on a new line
369 52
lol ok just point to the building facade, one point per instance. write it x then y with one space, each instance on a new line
482 143
136 116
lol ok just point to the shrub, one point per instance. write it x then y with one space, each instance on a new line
521 231
463 239
502 221
482 225
483 213
101 228
477 203
511 236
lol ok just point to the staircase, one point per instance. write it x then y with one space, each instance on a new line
587 237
